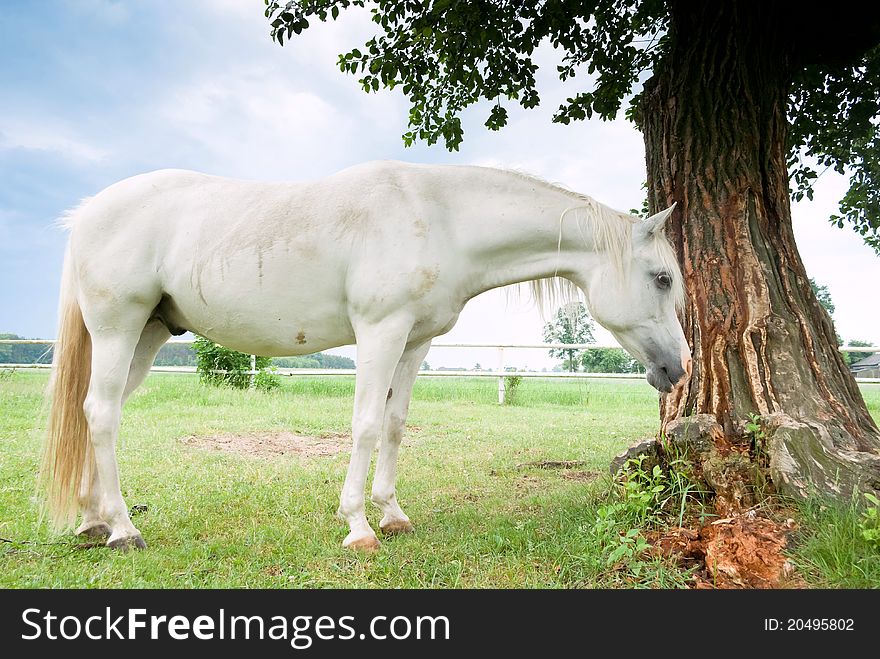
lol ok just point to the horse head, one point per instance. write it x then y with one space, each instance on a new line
636 300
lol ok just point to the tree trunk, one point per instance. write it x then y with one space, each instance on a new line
714 122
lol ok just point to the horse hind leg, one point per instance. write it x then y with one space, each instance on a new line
153 337
112 352
394 520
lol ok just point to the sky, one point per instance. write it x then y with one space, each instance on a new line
94 91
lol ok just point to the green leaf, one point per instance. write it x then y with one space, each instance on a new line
617 554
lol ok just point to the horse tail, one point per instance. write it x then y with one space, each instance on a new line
67 451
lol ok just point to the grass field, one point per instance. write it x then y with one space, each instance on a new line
482 520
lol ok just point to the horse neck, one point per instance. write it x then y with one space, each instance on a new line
525 230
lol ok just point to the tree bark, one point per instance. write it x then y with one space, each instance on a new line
714 121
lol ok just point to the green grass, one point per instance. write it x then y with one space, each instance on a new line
219 520
830 550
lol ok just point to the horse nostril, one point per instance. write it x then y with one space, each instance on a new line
673 374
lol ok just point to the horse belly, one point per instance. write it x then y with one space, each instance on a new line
266 306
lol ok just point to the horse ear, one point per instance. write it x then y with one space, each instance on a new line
656 222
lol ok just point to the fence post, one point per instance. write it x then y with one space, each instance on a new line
500 377
253 376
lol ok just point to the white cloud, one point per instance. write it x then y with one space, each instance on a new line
41 134
602 159
246 107
253 123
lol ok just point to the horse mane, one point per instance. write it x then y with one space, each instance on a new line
68 218
606 230
600 226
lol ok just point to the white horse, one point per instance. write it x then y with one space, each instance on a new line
384 255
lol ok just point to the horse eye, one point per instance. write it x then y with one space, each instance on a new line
663 280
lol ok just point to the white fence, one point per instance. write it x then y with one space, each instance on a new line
499 372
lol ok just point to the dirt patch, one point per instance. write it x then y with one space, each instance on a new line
525 483
580 476
568 469
271 444
552 464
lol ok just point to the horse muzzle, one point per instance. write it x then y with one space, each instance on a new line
665 377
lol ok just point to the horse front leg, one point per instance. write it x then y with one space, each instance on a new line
394 520
379 348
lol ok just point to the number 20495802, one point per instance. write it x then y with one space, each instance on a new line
809 624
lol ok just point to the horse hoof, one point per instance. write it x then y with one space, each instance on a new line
367 543
130 542
94 530
396 527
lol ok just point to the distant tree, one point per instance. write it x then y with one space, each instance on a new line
425 366
334 361
24 353
823 295
610 360
176 354
853 357
300 361
317 360
571 325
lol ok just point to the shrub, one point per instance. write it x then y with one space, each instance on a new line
511 385
211 357
267 379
